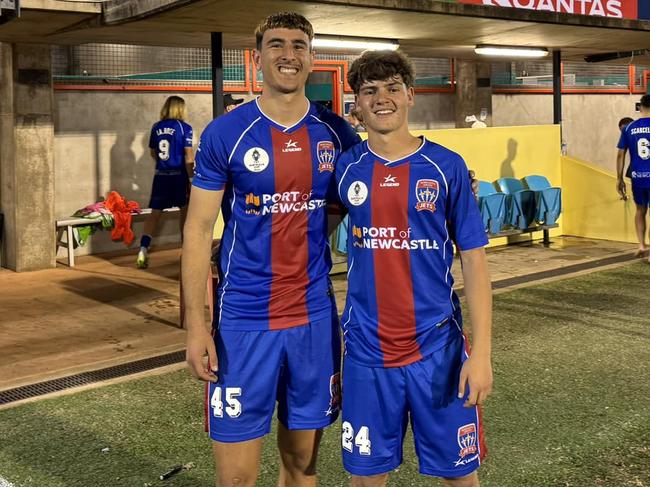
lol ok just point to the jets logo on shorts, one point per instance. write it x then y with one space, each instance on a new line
335 394
325 152
426 191
467 440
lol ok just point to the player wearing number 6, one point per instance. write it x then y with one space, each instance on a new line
636 138
406 357
170 144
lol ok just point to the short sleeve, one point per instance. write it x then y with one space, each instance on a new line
188 136
466 225
622 140
211 165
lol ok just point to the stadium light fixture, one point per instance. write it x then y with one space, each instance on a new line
353 43
510 51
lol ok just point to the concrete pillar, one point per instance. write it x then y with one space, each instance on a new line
473 92
27 156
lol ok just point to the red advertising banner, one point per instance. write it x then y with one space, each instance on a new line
621 9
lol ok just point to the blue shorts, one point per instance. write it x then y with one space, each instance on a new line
297 367
378 403
169 190
641 196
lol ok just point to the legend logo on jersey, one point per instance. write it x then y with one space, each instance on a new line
467 440
256 159
390 181
357 193
291 146
325 152
426 191
335 394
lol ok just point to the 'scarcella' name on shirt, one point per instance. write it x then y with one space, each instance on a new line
389 238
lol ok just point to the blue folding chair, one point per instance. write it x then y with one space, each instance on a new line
493 207
548 199
520 203
341 238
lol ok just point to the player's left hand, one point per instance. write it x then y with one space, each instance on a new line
477 373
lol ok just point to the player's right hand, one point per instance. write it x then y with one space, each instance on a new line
199 344
621 189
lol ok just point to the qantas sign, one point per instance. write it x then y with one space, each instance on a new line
622 9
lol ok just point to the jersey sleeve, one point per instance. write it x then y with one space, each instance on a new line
189 135
211 164
622 141
466 225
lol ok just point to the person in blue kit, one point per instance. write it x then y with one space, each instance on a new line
268 167
406 356
635 138
170 144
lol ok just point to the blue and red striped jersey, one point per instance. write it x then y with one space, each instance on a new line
636 138
169 138
404 216
274 257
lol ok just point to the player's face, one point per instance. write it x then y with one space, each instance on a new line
384 104
285 59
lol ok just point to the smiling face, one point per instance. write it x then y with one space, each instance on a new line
286 59
384 105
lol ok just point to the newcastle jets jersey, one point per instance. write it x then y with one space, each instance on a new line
636 138
404 216
274 258
169 138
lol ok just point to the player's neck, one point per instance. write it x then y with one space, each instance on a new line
394 145
287 109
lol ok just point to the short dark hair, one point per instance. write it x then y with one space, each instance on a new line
624 122
645 101
283 20
380 65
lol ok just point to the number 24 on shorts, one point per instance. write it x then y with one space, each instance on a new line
234 406
362 440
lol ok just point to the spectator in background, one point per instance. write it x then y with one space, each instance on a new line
170 145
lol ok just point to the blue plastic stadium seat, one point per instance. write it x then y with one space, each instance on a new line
493 207
548 199
341 238
520 203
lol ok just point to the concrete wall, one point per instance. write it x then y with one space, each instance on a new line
590 125
101 144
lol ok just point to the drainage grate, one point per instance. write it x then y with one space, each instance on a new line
85 378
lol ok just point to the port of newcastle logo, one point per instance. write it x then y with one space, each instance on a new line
426 192
325 152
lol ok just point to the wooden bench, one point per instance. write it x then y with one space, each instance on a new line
66 227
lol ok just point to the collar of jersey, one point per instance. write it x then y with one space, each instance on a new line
396 162
279 125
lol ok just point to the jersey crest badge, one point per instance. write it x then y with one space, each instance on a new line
467 440
325 152
426 192
256 159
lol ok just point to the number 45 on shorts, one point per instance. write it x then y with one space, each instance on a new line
234 406
362 440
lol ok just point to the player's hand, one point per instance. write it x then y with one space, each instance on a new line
477 373
199 344
621 189
474 182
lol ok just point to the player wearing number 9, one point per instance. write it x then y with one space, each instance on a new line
170 144
636 138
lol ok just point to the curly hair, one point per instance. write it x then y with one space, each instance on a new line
380 65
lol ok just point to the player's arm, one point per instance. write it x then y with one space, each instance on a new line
620 182
202 213
189 161
477 370
152 152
